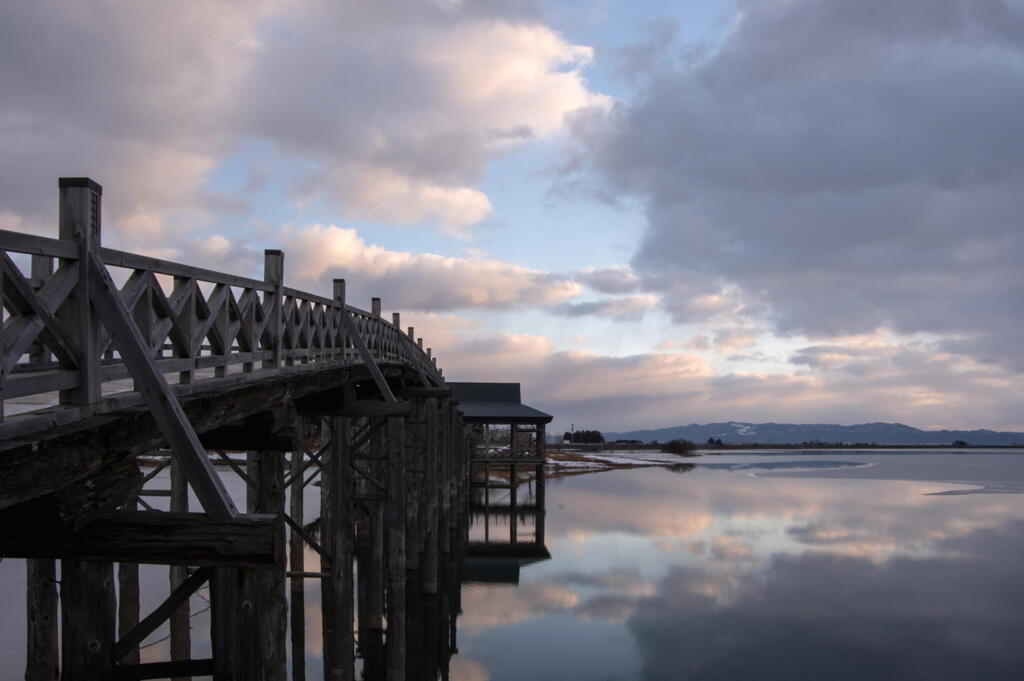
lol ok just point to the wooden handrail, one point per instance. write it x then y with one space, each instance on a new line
211 320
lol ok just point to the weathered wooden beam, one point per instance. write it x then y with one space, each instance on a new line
180 626
154 537
264 588
337 528
61 456
415 392
367 358
181 436
128 601
163 670
80 223
42 655
296 553
131 639
396 510
341 401
88 614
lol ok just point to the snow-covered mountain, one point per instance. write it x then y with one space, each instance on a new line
791 433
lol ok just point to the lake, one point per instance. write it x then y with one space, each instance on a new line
744 567
757 565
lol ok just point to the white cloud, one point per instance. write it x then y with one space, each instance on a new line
417 281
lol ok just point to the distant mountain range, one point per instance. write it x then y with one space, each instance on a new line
733 432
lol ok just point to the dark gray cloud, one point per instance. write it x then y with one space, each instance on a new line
610 279
833 168
626 308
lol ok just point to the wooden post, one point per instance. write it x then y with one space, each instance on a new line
430 484
180 625
296 555
539 485
80 221
42 663
273 273
336 518
249 620
88 619
342 316
128 597
375 307
264 587
396 549
396 320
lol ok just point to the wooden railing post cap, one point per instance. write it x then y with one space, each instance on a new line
79 183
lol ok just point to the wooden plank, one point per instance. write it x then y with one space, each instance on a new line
162 670
158 538
181 437
88 619
19 385
131 639
42 658
19 242
135 261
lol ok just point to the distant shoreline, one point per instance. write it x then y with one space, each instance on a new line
705 449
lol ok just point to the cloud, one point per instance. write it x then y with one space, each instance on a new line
833 168
401 105
417 281
856 380
618 279
392 110
627 308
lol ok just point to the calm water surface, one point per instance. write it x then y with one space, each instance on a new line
841 565
746 569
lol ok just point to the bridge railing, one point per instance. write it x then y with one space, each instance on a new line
198 324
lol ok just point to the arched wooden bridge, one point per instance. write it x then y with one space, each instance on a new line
113 358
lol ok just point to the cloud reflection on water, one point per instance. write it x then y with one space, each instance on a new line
718 575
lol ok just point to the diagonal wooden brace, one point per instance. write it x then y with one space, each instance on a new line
364 352
163 404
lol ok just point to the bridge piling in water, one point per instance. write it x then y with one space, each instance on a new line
109 358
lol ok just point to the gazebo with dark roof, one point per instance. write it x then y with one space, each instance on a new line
508 439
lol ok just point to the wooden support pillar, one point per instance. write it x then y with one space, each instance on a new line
266 588
249 619
396 549
539 485
180 626
431 493
88 611
336 522
41 659
296 555
128 598
513 517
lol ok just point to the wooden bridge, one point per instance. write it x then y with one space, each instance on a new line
116 363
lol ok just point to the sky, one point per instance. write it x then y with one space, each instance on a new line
649 213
